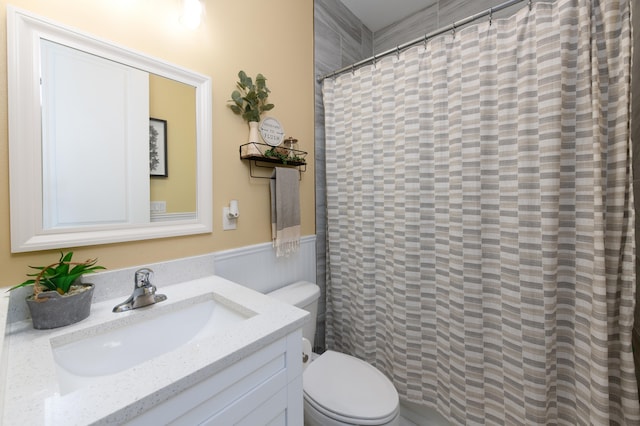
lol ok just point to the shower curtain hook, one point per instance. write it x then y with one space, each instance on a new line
374 60
453 29
425 41
353 69
490 16
530 5
397 52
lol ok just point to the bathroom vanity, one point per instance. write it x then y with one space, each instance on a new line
214 353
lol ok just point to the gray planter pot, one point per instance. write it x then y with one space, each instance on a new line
57 310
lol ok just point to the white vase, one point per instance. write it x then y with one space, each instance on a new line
253 131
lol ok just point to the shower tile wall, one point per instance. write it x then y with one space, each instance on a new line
341 40
435 15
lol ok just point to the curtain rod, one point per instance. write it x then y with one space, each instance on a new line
399 48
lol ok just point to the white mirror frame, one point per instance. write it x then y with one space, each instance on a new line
24 31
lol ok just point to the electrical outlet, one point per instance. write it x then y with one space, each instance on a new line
228 223
158 206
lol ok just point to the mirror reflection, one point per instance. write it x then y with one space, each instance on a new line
97 109
175 102
105 144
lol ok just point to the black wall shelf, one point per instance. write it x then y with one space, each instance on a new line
267 156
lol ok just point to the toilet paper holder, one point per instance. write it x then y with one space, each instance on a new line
306 351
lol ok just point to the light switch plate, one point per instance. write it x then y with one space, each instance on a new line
228 224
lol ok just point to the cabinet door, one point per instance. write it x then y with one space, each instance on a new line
265 388
254 410
272 412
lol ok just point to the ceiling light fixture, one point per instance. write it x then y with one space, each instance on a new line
191 13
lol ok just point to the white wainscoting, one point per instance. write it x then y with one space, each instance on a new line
258 268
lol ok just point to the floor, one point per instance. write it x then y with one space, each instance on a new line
405 422
416 415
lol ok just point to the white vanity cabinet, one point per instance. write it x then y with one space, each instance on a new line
240 364
264 388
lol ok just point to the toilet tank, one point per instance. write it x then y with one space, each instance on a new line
303 295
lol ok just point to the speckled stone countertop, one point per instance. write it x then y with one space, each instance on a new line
31 394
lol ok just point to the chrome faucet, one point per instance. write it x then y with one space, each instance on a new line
144 293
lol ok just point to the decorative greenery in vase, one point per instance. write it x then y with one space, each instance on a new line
250 100
58 276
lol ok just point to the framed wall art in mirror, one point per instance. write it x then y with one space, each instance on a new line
79 161
158 147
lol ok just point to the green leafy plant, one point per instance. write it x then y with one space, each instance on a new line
273 153
59 276
250 100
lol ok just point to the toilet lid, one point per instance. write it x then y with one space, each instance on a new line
349 388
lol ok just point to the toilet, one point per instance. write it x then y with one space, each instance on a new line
339 389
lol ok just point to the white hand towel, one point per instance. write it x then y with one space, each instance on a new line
285 210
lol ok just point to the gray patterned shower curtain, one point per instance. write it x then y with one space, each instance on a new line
480 218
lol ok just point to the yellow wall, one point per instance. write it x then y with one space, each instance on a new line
272 37
175 103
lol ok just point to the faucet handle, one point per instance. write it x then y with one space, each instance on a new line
143 277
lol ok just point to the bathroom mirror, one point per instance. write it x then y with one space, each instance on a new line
79 144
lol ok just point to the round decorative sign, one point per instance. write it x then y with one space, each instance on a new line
271 131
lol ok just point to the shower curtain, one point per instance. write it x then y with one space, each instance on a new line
480 218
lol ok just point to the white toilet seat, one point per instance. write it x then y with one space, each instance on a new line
349 390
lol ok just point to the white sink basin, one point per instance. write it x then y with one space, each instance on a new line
121 344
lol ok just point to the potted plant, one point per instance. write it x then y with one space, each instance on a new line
250 101
57 298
